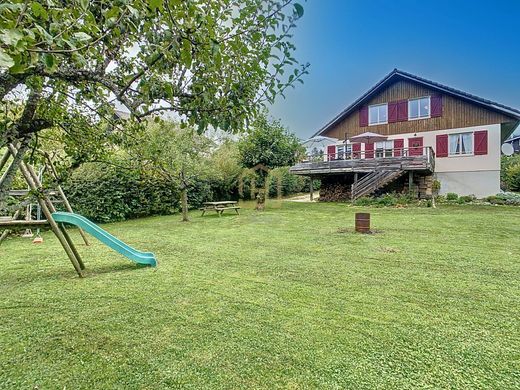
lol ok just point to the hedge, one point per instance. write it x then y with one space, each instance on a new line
105 193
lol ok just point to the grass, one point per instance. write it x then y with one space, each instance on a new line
286 298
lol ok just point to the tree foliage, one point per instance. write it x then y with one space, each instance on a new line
269 143
178 154
510 173
212 62
69 64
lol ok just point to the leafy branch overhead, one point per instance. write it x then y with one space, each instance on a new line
213 63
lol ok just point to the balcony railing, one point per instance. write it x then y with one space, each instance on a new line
413 158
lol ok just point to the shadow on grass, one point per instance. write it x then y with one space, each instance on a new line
114 268
215 215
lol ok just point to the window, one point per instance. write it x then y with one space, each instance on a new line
348 151
419 108
340 150
384 148
461 144
378 114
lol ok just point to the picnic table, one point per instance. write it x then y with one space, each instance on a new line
220 206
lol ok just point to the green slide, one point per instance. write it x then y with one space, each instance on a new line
106 238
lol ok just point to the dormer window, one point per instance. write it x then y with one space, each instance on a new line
419 108
378 114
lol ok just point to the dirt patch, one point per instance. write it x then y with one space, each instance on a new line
351 230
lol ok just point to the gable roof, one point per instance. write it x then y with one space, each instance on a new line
512 139
397 74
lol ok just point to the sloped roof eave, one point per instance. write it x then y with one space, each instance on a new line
509 111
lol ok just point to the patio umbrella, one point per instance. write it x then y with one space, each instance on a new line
368 138
318 143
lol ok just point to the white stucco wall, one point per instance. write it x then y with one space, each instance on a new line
465 175
478 183
470 174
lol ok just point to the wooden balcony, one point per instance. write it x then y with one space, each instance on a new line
405 159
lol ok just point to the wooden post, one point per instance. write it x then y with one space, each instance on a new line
52 209
48 215
6 231
311 190
4 159
68 207
410 182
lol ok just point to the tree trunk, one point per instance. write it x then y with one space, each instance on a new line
184 203
184 195
7 179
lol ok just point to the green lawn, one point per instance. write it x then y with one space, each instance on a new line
286 298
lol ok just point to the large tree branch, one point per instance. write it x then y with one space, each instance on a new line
27 124
8 82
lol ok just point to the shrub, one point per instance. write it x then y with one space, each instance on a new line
510 173
290 184
506 198
364 201
106 193
436 187
512 177
451 196
385 200
466 199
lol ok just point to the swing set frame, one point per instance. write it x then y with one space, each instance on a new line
47 207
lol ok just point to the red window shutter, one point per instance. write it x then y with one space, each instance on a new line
356 148
481 142
398 147
392 112
363 117
331 152
436 106
441 145
402 110
369 150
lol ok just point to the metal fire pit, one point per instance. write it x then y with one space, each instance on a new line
363 222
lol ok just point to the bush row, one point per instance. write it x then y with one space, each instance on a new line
507 198
388 200
106 193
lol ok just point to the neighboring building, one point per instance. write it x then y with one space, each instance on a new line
433 131
515 141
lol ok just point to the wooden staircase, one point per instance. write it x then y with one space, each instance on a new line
373 182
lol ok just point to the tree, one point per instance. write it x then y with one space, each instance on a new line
269 143
179 155
67 64
225 162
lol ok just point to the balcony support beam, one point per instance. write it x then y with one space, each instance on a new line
410 182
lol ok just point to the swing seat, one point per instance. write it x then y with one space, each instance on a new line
38 240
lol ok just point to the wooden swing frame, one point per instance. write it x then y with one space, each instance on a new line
46 205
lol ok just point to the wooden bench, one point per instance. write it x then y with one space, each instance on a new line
220 207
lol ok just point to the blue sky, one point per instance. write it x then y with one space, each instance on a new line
470 45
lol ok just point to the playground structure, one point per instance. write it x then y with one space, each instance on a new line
57 220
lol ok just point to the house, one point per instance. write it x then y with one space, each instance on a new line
430 132
515 142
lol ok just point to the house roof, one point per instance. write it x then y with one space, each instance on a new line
510 140
399 74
